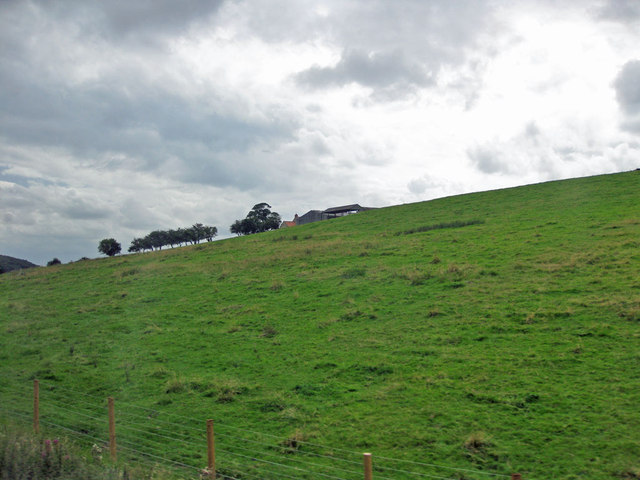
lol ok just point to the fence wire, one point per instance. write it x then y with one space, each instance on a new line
178 442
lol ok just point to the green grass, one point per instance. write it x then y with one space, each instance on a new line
494 331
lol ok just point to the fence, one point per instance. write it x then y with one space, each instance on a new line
189 446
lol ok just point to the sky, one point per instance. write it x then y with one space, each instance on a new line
122 117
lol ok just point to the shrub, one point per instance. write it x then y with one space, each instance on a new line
25 456
55 261
477 442
354 273
268 332
294 441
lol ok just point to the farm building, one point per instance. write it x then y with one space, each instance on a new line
319 215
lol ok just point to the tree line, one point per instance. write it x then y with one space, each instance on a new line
176 237
259 219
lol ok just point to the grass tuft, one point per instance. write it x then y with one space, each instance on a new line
440 226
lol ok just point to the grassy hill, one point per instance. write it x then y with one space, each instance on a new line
8 264
495 331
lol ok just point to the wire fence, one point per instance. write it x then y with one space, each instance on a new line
183 444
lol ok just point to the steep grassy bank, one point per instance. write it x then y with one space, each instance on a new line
497 330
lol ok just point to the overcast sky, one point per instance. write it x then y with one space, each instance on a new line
123 116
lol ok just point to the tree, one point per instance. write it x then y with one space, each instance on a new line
210 232
158 239
198 231
109 247
55 261
137 245
259 219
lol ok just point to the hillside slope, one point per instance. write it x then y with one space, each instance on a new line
496 331
8 264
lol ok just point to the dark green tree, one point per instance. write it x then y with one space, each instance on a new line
198 231
157 239
210 232
259 219
55 261
109 247
137 245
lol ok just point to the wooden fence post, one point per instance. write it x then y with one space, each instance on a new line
112 430
211 452
516 476
36 406
368 468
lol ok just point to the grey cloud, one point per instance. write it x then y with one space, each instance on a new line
625 11
531 130
525 152
438 28
151 126
394 48
417 186
135 215
144 23
12 178
627 86
80 209
125 109
125 17
488 160
374 69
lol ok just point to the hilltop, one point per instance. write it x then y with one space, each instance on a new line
7 264
493 331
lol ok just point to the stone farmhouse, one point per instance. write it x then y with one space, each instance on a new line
319 215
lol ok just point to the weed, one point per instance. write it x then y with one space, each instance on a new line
356 314
631 314
268 331
175 385
225 391
160 372
354 273
275 404
631 474
25 456
129 272
415 276
277 285
294 441
477 442
181 385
